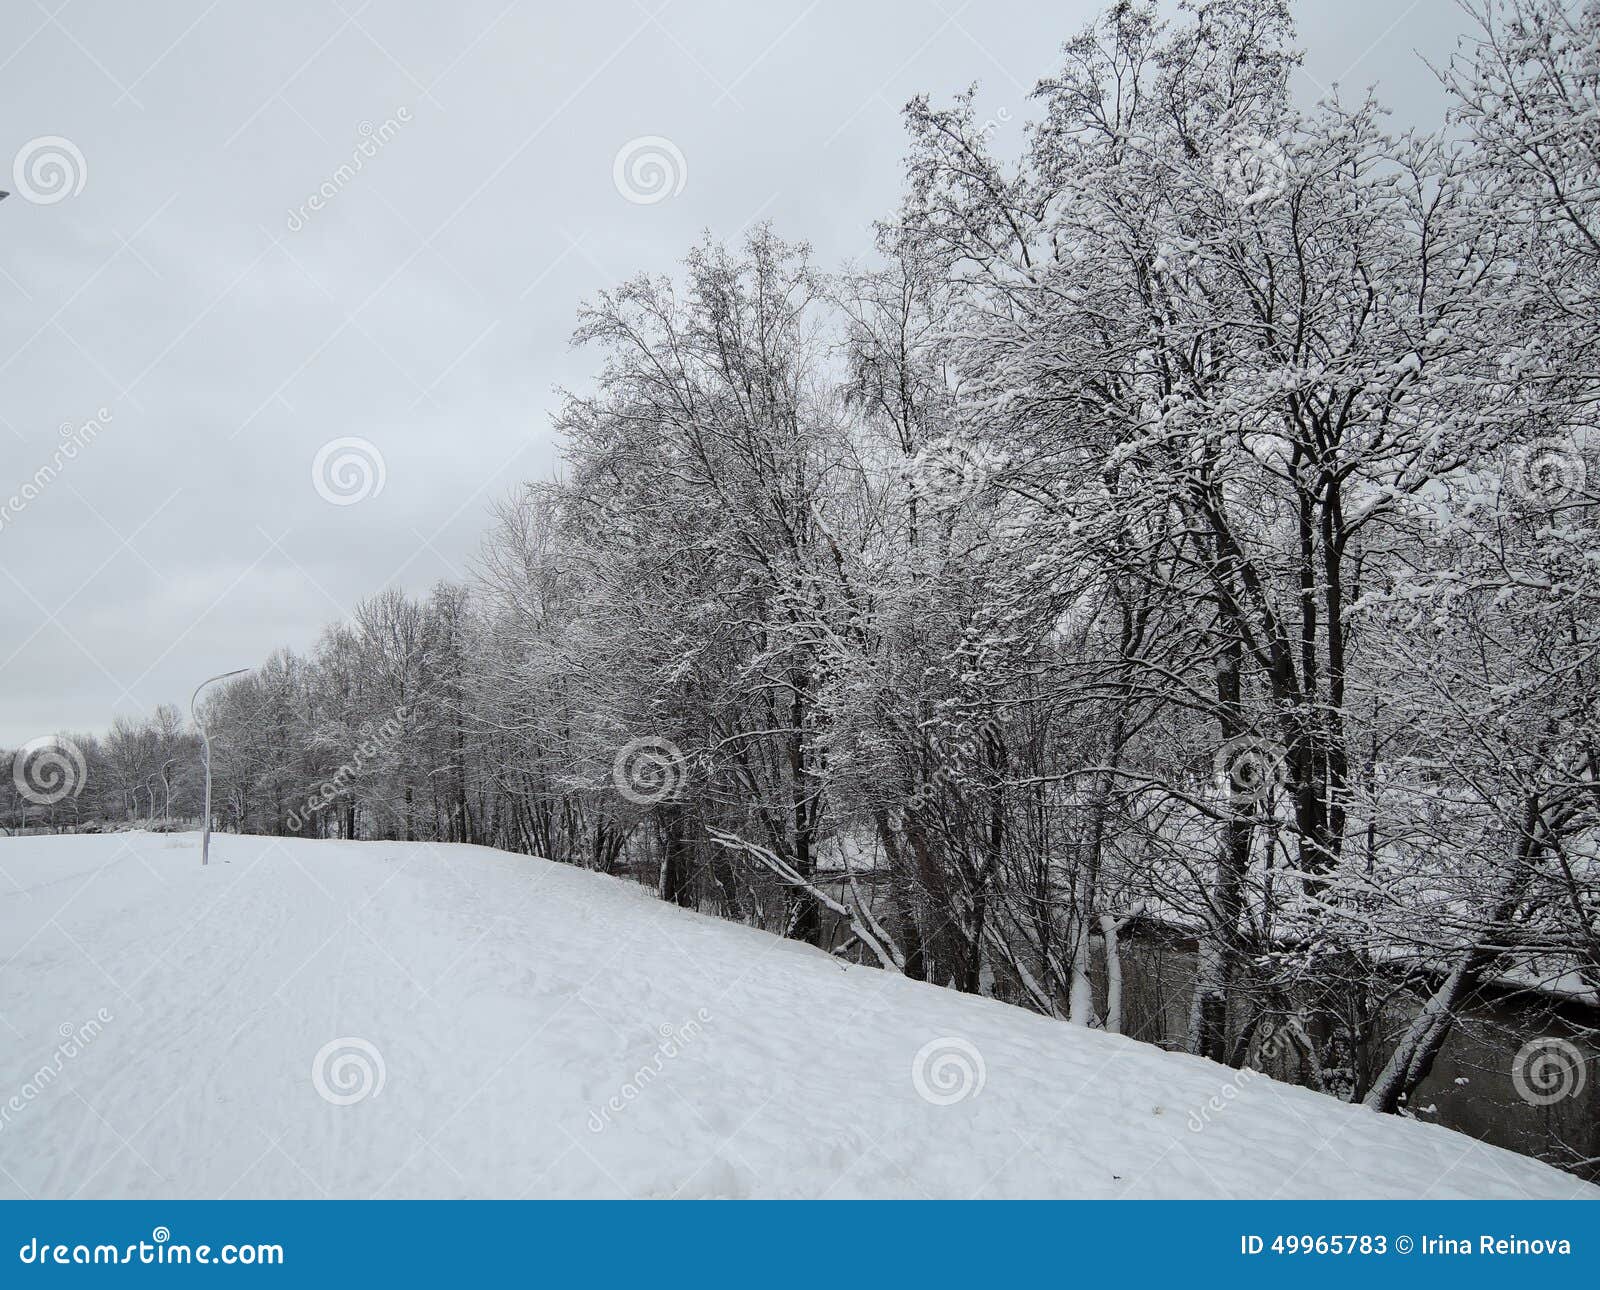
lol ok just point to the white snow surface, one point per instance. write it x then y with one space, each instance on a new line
509 1000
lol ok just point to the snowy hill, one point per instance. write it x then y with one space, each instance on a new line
512 1027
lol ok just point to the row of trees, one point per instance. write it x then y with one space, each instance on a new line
140 771
1188 523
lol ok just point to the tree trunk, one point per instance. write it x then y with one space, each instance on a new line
677 885
1218 949
1109 927
1413 1057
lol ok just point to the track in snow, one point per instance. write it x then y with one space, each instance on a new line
509 1004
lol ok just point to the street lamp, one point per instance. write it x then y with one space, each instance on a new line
205 745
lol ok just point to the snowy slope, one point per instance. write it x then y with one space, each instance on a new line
514 1003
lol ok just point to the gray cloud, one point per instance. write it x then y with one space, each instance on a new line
426 306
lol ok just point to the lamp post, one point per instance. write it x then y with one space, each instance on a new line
205 745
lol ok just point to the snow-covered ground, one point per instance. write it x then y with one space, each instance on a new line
512 1027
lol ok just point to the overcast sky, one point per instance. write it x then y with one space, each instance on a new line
179 280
